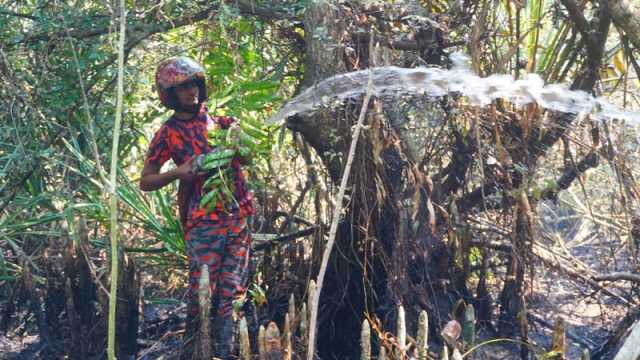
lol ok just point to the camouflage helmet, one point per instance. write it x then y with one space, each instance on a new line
178 70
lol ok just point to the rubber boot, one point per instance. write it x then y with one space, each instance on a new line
251 315
224 337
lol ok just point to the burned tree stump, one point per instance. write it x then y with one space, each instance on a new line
86 303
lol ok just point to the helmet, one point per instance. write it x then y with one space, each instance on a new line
175 71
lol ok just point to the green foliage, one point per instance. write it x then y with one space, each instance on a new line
258 294
49 49
245 77
154 213
247 140
242 74
535 8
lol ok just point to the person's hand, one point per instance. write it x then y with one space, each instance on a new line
244 154
233 135
186 171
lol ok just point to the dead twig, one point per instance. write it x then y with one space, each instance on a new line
284 238
617 276
558 262
570 334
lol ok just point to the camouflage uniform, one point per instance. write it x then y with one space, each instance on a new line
219 238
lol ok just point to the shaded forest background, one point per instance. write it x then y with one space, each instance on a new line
526 214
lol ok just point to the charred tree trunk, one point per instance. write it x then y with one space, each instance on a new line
388 250
513 318
86 302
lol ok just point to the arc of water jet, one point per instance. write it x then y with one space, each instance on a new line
437 82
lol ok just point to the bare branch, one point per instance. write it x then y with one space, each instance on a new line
11 13
555 261
285 238
578 19
477 196
584 341
617 276
570 174
265 12
454 175
626 16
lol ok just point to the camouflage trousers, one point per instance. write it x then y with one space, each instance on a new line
224 246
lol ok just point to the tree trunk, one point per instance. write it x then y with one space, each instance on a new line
86 303
626 15
387 249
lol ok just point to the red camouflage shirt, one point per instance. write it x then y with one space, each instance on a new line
180 140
